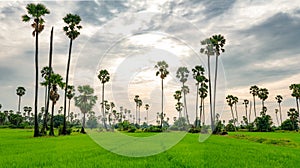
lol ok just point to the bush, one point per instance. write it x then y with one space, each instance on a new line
153 129
60 128
289 125
230 127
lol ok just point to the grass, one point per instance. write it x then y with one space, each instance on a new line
19 149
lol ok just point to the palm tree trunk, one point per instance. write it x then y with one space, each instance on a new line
200 119
210 98
280 114
196 124
147 118
277 119
297 104
45 127
254 106
36 124
232 115
103 113
162 102
136 106
250 112
64 131
236 113
215 88
69 110
19 104
51 133
185 106
263 105
203 112
83 124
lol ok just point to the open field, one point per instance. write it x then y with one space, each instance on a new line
19 149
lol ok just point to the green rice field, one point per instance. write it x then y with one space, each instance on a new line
242 149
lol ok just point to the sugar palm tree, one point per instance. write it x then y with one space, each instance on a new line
147 106
36 12
263 95
185 90
55 80
140 103
20 92
177 96
136 100
70 95
235 101
182 74
208 51
246 102
218 42
202 94
198 75
72 31
293 114
162 66
85 101
279 101
296 93
104 77
230 102
254 91
45 73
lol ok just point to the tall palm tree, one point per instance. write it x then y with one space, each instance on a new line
276 113
185 90
279 101
70 95
198 75
136 100
20 92
218 42
104 77
254 91
208 51
246 102
263 95
35 12
177 96
293 114
296 93
235 101
72 31
182 74
85 101
163 72
55 80
230 102
140 103
47 74
202 94
147 106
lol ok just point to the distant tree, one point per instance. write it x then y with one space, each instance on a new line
147 106
264 122
230 102
85 101
104 77
279 100
136 100
254 91
293 114
182 74
235 101
276 113
162 66
92 122
179 105
246 102
263 95
55 80
36 11
70 95
185 90
20 92
296 93
198 75
72 31
140 103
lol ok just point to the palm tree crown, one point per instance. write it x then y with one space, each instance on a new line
72 30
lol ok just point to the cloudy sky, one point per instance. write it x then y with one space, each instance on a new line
128 38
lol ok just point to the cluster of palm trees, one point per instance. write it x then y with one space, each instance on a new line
263 94
36 12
